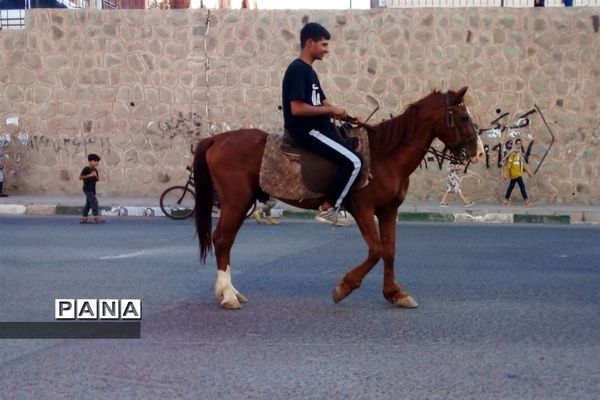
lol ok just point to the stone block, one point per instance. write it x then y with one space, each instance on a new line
12 209
41 209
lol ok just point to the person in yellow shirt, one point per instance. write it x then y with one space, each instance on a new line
513 169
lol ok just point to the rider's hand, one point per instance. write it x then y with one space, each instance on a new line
355 120
338 112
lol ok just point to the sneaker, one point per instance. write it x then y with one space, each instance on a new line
344 222
99 220
469 203
443 204
330 216
271 221
84 220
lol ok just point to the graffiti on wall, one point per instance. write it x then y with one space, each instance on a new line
67 144
186 125
13 143
502 132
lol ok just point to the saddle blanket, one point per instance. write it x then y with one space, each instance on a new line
292 173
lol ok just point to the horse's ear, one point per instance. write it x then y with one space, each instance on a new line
461 93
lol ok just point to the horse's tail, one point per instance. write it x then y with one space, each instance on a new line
204 198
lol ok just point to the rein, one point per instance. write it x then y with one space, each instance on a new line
445 154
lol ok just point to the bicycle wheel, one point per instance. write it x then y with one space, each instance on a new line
178 202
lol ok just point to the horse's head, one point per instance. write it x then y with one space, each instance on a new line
456 128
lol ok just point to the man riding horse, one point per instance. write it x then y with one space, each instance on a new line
307 113
231 163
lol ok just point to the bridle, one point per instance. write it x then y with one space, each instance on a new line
459 143
451 124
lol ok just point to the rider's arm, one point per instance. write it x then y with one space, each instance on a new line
302 109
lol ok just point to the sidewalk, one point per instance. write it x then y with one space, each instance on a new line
410 211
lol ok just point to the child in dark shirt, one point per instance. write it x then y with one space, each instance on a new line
89 176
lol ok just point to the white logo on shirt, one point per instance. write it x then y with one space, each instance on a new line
316 96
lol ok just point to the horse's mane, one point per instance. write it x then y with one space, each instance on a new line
389 134
386 136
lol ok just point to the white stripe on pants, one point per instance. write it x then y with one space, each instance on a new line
345 152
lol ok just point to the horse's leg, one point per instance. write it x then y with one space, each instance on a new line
231 219
353 279
391 289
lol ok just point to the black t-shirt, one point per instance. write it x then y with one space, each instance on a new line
89 184
301 83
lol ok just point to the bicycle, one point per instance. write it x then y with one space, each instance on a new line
179 202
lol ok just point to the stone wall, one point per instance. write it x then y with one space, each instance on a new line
140 87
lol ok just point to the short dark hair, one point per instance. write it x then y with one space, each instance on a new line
93 157
313 31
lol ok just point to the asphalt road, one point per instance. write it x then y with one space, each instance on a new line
505 312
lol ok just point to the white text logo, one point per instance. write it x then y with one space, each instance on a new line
97 309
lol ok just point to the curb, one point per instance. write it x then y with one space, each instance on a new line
415 216
425 217
13 209
117 211
542 219
302 214
494 218
489 218
41 209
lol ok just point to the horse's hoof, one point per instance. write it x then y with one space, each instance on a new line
241 298
406 302
338 295
231 305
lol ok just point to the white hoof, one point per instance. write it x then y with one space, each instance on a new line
241 298
231 304
406 302
226 293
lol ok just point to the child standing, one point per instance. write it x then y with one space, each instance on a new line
89 176
453 185
513 170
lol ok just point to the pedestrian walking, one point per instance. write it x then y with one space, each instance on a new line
89 176
453 185
264 212
2 194
513 169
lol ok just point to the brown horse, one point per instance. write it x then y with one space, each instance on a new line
230 164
